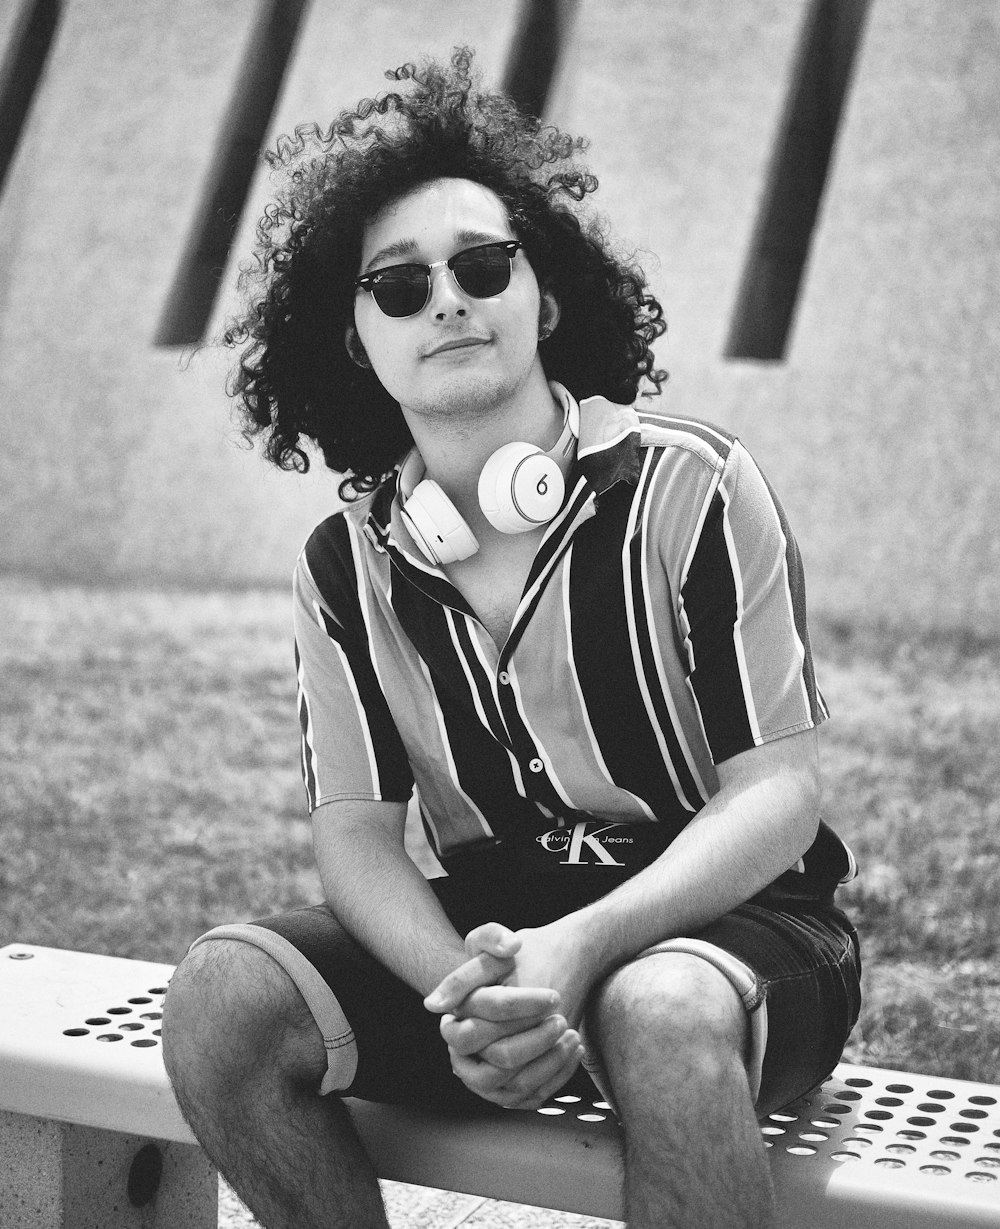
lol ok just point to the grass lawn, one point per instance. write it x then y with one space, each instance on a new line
149 789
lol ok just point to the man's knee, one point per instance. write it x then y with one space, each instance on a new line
232 1015
672 1016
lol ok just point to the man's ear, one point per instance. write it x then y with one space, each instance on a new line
355 349
548 315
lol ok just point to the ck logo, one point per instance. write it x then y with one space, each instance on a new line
579 843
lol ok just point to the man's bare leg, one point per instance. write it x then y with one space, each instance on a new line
673 1034
245 1059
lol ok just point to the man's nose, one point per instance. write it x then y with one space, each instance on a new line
446 297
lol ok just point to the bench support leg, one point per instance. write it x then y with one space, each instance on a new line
57 1176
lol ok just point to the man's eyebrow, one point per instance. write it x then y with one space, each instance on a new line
480 236
402 247
406 247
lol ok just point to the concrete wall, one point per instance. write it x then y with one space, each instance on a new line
874 426
121 461
682 103
895 357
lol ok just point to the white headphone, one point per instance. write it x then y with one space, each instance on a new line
521 487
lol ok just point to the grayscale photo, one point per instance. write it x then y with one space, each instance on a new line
500 605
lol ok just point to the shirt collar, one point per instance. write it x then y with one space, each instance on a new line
608 448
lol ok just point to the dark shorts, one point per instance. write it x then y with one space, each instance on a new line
800 959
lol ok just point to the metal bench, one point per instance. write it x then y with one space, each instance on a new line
90 1134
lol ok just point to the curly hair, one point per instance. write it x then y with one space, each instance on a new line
295 380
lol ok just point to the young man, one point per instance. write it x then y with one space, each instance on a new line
579 629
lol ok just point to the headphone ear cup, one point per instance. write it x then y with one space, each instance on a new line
436 525
520 488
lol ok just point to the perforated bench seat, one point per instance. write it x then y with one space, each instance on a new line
82 1084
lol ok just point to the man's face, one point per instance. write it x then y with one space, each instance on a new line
497 337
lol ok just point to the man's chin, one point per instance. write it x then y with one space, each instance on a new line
464 395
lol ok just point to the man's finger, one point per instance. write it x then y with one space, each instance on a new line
481 970
479 1077
538 1080
500 1003
549 1088
473 1035
493 939
513 1053
531 1085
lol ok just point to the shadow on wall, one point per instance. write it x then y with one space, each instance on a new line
814 181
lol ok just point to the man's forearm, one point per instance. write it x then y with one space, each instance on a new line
384 902
745 837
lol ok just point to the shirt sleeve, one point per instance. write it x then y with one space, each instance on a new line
351 748
743 617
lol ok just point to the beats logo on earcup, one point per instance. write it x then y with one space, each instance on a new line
520 488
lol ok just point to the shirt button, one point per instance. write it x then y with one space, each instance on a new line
504 677
536 765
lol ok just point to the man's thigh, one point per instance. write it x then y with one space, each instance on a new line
791 975
809 965
381 1042
666 1020
383 1045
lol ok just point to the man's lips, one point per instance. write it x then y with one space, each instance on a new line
457 343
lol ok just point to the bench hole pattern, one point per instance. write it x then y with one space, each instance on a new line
927 1129
914 1127
135 1020
577 1108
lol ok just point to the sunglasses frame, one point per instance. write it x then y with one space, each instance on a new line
370 280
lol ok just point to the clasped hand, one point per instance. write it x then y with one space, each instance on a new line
510 1032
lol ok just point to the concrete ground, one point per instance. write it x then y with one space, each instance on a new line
417 1207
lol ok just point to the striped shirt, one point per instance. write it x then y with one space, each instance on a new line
661 630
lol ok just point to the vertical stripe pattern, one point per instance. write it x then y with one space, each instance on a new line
661 630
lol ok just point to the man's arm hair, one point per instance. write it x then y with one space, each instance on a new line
763 818
379 895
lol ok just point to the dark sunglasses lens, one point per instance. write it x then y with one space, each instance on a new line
482 272
401 292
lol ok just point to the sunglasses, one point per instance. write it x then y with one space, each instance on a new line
403 290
